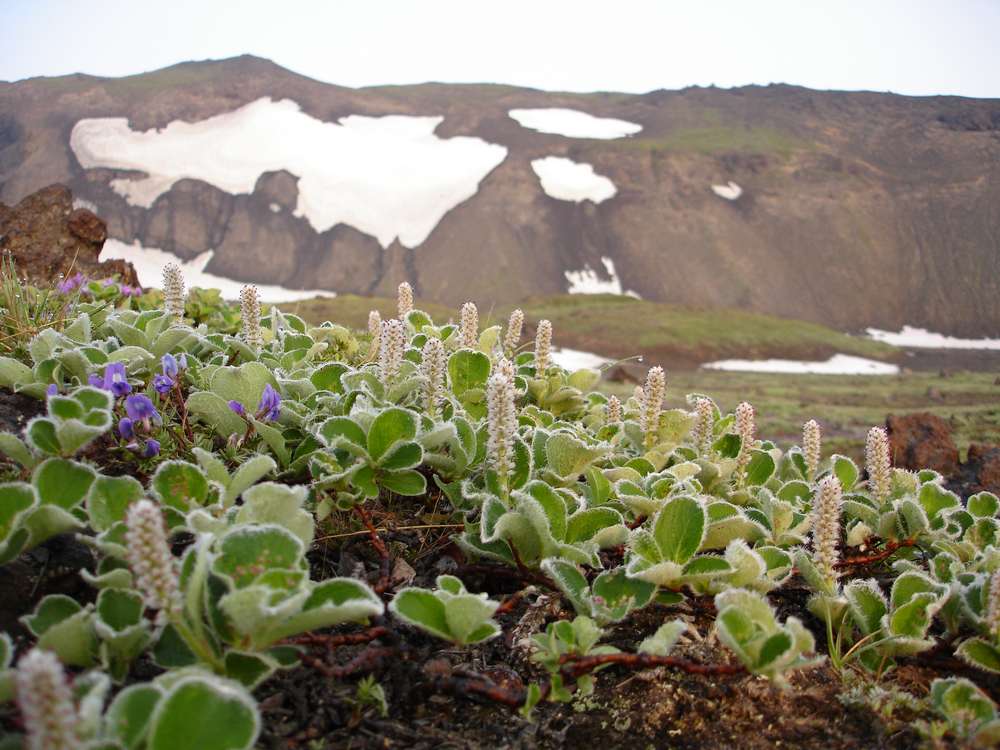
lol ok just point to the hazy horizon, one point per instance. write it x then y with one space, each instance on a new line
916 48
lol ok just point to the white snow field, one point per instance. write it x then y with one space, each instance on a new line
586 281
568 180
838 364
921 338
149 263
574 359
387 176
730 191
573 123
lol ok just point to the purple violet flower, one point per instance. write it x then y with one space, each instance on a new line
70 284
52 390
129 291
115 380
95 380
162 384
182 361
108 282
140 408
169 364
237 407
270 403
152 448
125 429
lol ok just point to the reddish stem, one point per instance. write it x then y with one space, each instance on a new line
887 551
576 666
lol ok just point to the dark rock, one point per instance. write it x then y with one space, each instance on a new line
16 409
922 441
979 473
48 239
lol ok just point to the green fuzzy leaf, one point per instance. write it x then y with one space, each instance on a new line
279 504
17 450
679 529
62 483
980 653
214 411
404 455
14 373
127 719
867 604
981 505
18 497
467 370
205 712
248 669
934 498
420 608
568 457
336 431
248 474
760 468
248 551
406 482
389 427
845 471
109 498
662 642
41 435
180 485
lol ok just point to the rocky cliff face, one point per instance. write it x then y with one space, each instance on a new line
850 209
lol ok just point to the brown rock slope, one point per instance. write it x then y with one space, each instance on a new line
857 208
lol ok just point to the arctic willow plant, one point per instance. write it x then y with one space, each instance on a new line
878 463
469 326
512 336
811 447
501 423
543 347
652 405
392 346
433 364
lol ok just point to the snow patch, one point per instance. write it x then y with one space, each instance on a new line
838 364
921 338
568 180
730 191
574 359
586 281
83 203
149 263
573 123
390 177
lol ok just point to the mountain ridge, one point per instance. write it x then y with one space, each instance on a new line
854 208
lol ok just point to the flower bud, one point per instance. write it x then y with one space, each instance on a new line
543 347
469 326
173 290
404 300
45 698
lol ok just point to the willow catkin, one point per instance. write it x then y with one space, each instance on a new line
878 463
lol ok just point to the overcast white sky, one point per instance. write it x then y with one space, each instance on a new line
905 46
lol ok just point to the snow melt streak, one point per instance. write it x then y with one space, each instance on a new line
838 364
573 123
586 281
149 263
921 338
386 176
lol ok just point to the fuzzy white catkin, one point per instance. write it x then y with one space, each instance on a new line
173 290
993 605
45 698
469 325
150 559
745 428
613 410
512 336
652 404
250 317
501 422
878 463
404 299
375 331
543 347
826 527
701 431
433 364
392 346
811 447
506 368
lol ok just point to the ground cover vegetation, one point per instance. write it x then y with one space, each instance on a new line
216 462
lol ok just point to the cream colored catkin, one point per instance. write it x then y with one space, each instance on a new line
375 332
811 447
469 326
993 605
543 347
746 429
704 422
826 527
392 347
148 554
501 423
651 405
173 290
512 336
878 463
45 698
250 317
613 410
404 300
433 364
